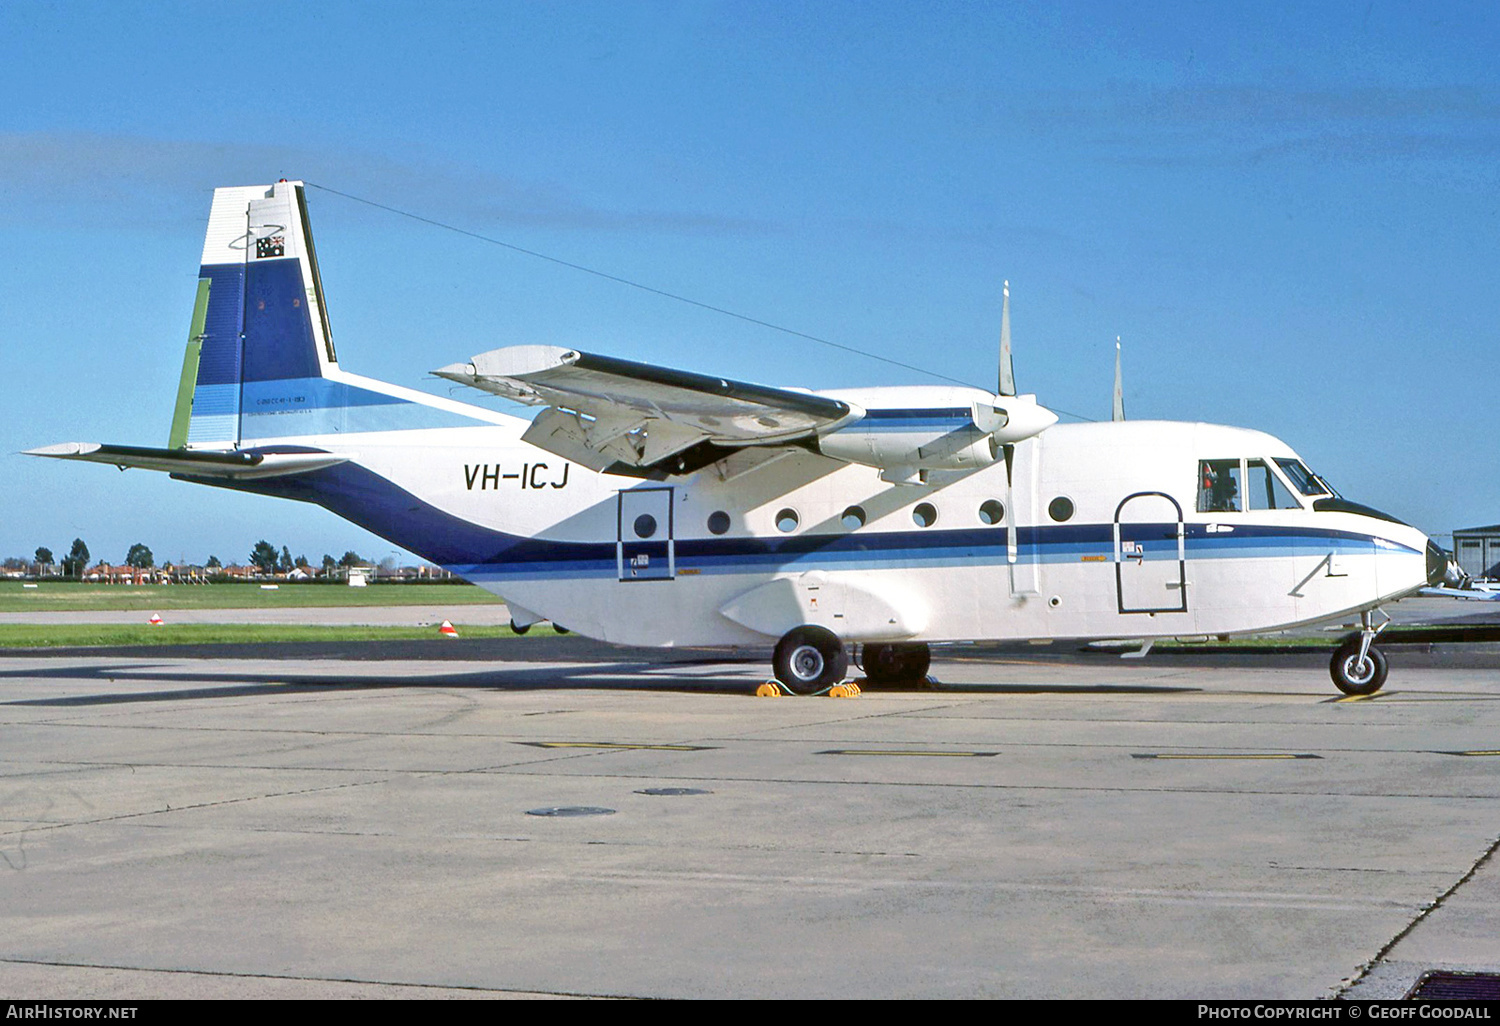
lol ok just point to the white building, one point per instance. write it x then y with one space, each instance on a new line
1477 550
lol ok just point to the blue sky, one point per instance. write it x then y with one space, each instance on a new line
1288 212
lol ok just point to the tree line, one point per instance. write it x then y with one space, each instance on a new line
264 557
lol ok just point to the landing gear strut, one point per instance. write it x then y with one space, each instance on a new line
1358 667
897 663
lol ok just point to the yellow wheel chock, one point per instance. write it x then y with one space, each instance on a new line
775 689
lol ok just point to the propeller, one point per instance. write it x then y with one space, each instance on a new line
1007 372
1008 450
1119 410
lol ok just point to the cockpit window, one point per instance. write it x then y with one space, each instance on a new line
1305 480
1219 486
1265 490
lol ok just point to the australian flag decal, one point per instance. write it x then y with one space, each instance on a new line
271 246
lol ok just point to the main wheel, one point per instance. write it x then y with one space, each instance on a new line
898 663
810 659
1353 677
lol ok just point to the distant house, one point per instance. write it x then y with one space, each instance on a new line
1477 550
182 573
107 573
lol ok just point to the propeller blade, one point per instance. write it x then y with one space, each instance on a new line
1007 372
1119 411
1011 548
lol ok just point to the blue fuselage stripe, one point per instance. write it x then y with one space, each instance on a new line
471 549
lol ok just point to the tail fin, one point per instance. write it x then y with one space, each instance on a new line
260 326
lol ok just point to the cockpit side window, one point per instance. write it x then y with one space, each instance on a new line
1219 486
1303 479
1265 490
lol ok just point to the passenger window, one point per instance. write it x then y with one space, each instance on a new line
1219 486
1266 489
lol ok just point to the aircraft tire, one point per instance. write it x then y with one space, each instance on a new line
1352 678
895 664
809 660
519 630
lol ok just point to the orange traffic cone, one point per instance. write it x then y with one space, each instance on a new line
447 631
155 620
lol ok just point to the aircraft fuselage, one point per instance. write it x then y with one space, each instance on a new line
1095 531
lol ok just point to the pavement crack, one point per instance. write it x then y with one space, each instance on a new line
1431 907
37 827
230 974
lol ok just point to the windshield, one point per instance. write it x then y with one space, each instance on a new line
1305 480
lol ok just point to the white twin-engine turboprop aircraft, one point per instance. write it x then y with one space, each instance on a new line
649 506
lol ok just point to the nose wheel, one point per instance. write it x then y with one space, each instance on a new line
1358 667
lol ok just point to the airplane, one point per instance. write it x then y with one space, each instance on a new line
644 505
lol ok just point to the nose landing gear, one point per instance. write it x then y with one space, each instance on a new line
1358 667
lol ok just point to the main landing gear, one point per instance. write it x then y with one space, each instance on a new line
1358 667
900 663
810 660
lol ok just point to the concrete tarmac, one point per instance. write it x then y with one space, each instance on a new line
1040 825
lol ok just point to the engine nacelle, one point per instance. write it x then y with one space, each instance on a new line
962 447
903 442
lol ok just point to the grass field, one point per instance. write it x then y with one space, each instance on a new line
21 635
51 596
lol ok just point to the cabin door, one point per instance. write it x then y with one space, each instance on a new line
1150 554
644 549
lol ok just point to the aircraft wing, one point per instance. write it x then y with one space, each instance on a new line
604 413
1472 594
193 462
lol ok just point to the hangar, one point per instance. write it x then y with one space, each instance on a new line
1477 550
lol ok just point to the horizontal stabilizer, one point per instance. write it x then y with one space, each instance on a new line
242 465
